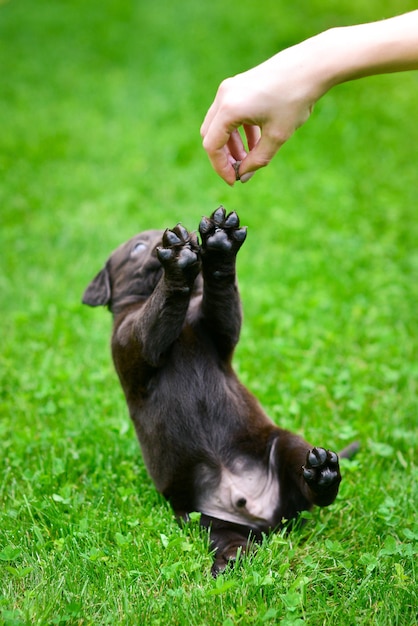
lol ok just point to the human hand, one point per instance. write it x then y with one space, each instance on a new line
269 102
273 99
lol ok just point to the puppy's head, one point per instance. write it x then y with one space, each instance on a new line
130 275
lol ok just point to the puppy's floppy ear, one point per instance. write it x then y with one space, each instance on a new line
98 292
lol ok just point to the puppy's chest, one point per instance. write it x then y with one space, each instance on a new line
246 493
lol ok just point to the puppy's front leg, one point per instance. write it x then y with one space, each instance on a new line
159 322
222 237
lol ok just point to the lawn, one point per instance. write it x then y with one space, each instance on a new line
100 108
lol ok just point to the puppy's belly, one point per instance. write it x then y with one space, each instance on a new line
246 494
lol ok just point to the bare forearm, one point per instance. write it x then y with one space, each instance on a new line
353 52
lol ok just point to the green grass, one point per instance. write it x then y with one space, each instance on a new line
100 108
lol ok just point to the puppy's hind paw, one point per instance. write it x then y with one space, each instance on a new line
227 558
321 470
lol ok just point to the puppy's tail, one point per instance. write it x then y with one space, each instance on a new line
349 451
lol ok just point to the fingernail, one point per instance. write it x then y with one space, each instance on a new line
246 177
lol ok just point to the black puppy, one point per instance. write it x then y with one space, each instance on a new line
206 441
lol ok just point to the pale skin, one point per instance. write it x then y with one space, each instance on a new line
270 101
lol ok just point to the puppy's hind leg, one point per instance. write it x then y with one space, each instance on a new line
228 541
322 475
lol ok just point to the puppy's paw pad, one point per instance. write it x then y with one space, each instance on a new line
186 257
170 238
222 232
321 469
179 250
165 255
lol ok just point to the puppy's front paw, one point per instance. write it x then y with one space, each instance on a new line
179 254
321 470
221 232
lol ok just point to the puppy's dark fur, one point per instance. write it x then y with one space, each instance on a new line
206 441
